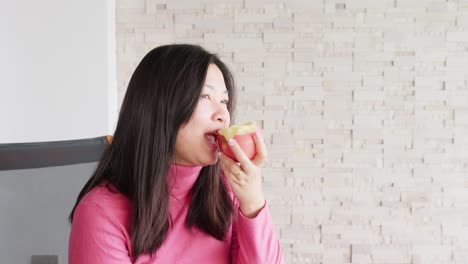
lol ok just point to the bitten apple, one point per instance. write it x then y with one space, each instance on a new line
244 136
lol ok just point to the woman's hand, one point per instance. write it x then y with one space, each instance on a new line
245 177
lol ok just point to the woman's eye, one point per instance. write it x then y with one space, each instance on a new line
205 96
225 102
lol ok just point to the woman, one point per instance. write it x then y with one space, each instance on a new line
159 194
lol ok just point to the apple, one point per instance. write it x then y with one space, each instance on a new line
243 134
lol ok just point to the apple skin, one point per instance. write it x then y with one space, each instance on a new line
246 142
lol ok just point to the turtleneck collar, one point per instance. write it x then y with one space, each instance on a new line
182 178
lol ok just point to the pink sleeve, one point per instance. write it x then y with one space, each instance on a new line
254 240
96 237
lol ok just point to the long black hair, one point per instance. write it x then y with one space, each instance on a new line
162 95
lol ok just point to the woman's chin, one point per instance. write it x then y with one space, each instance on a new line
212 160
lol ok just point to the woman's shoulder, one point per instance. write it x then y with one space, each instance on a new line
106 200
106 195
101 221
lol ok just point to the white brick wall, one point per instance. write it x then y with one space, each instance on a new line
364 105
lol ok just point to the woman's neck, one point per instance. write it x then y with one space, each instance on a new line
182 178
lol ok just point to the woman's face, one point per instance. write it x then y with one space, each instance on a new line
196 144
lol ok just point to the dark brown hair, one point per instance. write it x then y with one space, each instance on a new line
162 95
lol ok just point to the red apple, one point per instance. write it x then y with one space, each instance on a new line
243 134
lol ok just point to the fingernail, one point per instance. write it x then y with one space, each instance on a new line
231 142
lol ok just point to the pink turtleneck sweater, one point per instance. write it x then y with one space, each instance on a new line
100 231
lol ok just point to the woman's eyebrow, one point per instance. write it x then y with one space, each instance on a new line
213 88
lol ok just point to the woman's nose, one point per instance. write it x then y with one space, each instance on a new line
222 116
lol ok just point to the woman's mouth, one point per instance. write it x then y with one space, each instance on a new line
211 140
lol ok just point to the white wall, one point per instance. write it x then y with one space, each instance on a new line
57 70
57 82
364 106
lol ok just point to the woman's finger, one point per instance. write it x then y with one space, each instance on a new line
237 171
229 167
261 149
244 161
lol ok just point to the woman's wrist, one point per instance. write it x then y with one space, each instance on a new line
252 208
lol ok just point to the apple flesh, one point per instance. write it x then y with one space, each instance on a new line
243 134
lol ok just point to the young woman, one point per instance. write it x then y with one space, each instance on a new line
162 192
